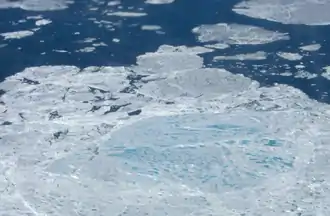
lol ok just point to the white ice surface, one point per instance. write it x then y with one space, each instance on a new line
43 22
290 56
311 47
237 34
126 14
159 1
260 55
228 147
151 27
17 34
308 12
36 5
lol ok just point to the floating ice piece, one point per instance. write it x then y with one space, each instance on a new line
255 150
159 1
211 152
287 12
305 74
168 59
326 73
218 46
34 17
183 49
116 40
17 34
43 22
151 27
260 55
311 48
87 49
36 5
205 83
237 34
127 14
114 3
290 56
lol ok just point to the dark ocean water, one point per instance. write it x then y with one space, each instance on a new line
177 20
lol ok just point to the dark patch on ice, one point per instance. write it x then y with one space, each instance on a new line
53 115
94 90
128 89
104 98
99 99
60 134
169 102
6 123
115 108
95 108
2 92
29 81
135 112
64 96
22 116
133 78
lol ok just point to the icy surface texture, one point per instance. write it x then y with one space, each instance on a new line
287 12
237 34
167 136
36 5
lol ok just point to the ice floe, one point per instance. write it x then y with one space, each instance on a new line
43 22
151 27
126 14
308 12
217 46
326 72
17 34
290 56
311 47
167 136
237 34
305 74
260 55
87 49
36 5
159 1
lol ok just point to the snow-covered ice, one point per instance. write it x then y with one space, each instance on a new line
167 136
307 12
237 34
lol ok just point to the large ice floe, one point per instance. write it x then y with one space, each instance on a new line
167 136
237 34
308 12
36 5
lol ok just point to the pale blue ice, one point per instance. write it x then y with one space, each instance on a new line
201 150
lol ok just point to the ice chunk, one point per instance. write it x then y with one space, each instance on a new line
305 74
206 83
43 22
36 5
168 59
68 145
159 1
215 153
237 34
151 27
127 14
242 57
217 46
290 56
287 12
17 34
311 48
